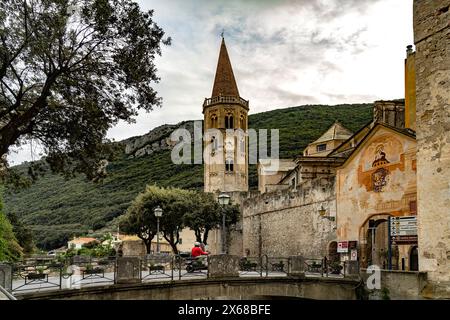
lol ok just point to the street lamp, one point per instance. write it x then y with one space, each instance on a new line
224 199
323 211
158 214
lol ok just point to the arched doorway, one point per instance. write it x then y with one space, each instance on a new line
377 242
414 259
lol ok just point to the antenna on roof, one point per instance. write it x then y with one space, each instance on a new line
223 31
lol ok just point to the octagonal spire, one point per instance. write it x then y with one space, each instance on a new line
224 82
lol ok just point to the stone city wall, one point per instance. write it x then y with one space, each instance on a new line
288 223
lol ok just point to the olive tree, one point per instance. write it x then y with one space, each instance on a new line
69 71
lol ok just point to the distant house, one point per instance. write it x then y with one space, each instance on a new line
57 251
78 243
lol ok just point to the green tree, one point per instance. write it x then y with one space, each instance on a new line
10 249
23 234
175 206
69 71
206 215
140 218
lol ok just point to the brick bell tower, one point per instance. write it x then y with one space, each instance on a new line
225 124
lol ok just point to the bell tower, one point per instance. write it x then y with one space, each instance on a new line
225 127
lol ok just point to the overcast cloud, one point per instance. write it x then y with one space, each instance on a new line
284 53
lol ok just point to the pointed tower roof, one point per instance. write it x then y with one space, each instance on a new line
336 132
224 82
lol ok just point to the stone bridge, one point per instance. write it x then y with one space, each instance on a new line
230 288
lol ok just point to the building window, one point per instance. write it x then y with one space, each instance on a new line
213 121
321 147
229 121
242 145
229 165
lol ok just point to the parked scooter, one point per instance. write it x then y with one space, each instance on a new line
195 264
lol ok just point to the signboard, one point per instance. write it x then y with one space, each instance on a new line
354 255
342 247
403 230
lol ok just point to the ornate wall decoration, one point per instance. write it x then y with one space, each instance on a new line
379 179
380 156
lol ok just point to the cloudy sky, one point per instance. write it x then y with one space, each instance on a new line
284 53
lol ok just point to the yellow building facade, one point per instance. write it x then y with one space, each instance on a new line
376 182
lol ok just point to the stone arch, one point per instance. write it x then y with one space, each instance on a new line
373 239
229 121
413 258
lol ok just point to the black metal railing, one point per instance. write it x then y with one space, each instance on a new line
80 271
324 267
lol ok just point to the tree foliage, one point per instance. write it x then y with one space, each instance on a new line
70 70
10 249
23 234
206 215
181 209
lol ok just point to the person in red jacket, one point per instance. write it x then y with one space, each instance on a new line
197 251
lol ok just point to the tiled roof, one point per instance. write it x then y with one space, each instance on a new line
336 132
224 82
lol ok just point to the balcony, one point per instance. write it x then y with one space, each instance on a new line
225 99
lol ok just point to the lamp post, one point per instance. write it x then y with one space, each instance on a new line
323 211
224 199
158 214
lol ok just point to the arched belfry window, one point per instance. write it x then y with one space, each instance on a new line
229 121
213 121
229 165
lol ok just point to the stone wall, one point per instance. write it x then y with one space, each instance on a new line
400 285
288 223
431 37
133 248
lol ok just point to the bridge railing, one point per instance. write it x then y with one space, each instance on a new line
80 271
157 267
275 265
326 268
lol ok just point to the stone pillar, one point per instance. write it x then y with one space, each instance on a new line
351 268
6 276
128 270
223 266
297 266
431 34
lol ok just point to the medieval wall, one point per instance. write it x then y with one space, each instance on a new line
432 41
288 222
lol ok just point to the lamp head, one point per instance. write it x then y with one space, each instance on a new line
224 199
158 212
322 211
